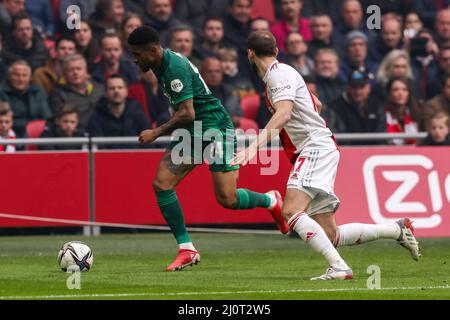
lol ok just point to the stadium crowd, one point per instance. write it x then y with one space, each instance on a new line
69 83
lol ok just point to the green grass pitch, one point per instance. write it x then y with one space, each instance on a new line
130 266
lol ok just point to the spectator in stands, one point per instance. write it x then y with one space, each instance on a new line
356 56
329 84
28 102
130 22
440 102
182 41
8 9
3 66
6 126
154 103
212 73
25 43
87 45
351 19
115 114
41 13
240 85
76 89
195 12
107 17
438 130
159 15
48 75
291 21
65 125
259 24
395 64
402 112
428 9
443 69
112 62
212 38
354 111
442 27
413 24
389 38
423 62
322 34
237 27
296 54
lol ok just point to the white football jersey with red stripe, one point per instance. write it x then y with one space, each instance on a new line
306 129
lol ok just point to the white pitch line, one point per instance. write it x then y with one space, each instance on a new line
168 294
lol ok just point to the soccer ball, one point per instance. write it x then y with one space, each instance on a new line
75 256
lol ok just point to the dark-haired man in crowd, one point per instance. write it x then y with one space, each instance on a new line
25 43
116 115
112 62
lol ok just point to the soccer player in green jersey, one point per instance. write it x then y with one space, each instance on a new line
199 112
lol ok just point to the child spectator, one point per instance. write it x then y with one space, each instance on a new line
65 125
438 130
6 124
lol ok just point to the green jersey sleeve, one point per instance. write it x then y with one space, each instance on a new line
179 82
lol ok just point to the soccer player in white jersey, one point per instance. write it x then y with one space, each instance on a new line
310 202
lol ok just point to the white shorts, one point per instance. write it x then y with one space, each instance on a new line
314 173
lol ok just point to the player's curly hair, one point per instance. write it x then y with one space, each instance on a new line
142 36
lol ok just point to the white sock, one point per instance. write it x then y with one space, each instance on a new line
357 233
273 200
187 246
312 233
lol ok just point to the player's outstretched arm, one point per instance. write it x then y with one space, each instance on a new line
283 111
184 116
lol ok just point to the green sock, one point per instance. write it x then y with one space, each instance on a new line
173 214
247 199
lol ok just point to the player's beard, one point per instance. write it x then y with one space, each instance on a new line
145 66
254 67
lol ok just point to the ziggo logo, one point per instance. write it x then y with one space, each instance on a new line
409 179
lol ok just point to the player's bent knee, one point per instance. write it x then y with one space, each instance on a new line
159 186
287 214
228 202
331 233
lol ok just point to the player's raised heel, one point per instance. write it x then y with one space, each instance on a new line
407 238
336 274
185 258
275 211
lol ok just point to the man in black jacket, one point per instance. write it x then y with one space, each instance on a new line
354 111
159 15
116 115
25 43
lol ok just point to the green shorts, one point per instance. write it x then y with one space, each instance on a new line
211 142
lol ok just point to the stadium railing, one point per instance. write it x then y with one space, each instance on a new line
95 142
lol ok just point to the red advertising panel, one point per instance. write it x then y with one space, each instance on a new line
54 185
375 185
124 192
381 185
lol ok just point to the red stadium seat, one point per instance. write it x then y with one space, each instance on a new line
34 129
247 124
250 105
265 9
